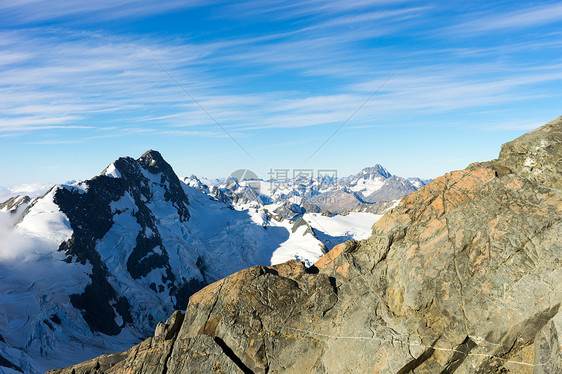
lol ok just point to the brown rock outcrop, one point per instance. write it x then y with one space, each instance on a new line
462 276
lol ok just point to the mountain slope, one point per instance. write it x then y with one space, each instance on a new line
462 276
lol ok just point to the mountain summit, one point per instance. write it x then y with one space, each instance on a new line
373 170
462 276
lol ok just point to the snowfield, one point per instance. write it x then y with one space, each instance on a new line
355 225
338 229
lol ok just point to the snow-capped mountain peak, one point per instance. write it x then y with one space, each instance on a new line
373 172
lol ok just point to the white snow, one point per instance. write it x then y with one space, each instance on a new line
211 182
111 171
329 230
114 247
35 284
299 246
77 186
195 182
368 186
124 203
45 220
355 225
21 206
416 183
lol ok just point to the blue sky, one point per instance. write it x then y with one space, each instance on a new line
83 83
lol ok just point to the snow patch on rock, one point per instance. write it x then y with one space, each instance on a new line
111 171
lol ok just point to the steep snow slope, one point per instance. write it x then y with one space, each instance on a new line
45 220
36 317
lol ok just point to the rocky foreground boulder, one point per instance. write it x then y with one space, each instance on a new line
464 276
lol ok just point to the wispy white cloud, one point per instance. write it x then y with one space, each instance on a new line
30 123
69 77
32 190
483 77
63 79
65 84
285 9
385 15
26 11
527 17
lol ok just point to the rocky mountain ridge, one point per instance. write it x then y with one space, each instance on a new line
462 276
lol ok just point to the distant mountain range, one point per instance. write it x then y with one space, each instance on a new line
291 198
91 266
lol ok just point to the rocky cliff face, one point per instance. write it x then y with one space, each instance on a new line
462 276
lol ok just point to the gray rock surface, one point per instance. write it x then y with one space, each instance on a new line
289 210
337 201
462 276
